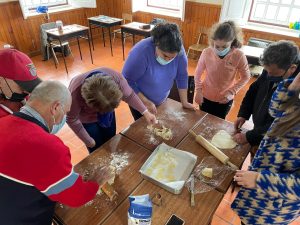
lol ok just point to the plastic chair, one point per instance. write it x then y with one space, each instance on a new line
127 18
45 45
201 42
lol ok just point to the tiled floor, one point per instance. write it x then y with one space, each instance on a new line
46 70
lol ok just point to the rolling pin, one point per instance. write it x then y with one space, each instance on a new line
213 150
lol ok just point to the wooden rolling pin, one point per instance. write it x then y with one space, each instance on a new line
213 150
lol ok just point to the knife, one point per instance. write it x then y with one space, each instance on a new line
192 190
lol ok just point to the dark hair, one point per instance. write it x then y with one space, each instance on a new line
166 36
101 93
282 53
227 31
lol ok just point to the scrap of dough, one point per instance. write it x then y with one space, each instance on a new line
223 140
207 172
163 132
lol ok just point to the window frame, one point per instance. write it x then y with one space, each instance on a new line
51 6
160 7
263 19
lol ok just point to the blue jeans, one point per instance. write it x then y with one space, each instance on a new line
100 134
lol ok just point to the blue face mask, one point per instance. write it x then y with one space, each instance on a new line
162 61
223 52
57 127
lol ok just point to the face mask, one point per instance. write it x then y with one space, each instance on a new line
15 97
57 127
223 52
275 79
162 61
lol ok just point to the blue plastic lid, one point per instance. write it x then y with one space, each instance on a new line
140 207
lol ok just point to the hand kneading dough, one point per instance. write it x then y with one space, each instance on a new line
223 140
163 132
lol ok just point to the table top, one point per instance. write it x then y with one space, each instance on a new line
4 45
68 29
105 19
171 115
136 26
208 127
128 157
205 206
251 51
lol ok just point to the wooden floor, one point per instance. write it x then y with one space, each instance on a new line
102 57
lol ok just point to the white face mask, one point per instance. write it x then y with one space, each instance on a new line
57 127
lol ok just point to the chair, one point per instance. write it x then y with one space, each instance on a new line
201 42
190 91
127 18
46 46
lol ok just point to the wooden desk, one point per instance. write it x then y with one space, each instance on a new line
171 115
252 54
201 214
69 32
208 127
127 180
134 29
4 45
103 22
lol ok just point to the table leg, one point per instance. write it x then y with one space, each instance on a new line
103 36
133 39
79 47
90 47
91 35
61 47
111 51
122 39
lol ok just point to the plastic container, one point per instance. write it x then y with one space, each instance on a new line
59 25
140 210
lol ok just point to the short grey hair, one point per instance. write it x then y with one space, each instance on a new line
50 91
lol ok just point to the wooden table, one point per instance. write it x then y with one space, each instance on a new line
125 182
4 45
171 115
208 127
103 22
69 32
134 29
252 54
201 214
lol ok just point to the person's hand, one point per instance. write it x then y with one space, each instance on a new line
227 96
150 118
103 174
246 179
151 106
199 97
239 123
240 138
92 144
188 105
295 85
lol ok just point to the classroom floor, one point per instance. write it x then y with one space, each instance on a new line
102 57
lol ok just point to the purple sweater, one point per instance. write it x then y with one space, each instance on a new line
81 113
144 74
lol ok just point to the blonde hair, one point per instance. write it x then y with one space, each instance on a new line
226 31
101 93
287 123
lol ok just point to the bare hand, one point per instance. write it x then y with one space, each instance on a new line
227 96
150 118
246 179
151 107
199 98
239 123
92 144
188 105
295 85
240 138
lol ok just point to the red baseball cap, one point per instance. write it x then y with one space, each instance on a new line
17 66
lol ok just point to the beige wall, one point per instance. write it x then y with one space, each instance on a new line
216 2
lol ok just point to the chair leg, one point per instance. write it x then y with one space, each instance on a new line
188 52
54 56
70 50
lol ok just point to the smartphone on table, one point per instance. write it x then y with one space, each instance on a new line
174 220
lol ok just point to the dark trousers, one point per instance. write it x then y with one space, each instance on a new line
100 134
216 108
136 114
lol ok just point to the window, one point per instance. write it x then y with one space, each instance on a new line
32 4
275 12
165 4
173 8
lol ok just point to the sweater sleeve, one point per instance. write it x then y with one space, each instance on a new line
74 122
182 73
286 186
199 71
135 67
244 72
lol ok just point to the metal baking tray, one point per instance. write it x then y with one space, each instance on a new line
169 167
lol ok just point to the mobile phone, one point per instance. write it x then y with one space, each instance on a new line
175 220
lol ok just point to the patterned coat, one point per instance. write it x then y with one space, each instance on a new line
276 199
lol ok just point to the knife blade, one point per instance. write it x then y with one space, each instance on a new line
192 190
